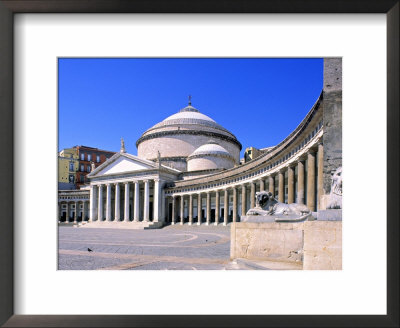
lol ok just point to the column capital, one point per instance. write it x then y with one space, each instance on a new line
302 158
116 183
145 181
156 179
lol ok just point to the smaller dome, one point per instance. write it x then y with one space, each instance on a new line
210 156
211 148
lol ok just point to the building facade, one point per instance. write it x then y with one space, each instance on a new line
188 169
68 163
87 155
75 163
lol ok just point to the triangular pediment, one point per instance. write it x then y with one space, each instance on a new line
123 163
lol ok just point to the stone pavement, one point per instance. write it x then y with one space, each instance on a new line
171 248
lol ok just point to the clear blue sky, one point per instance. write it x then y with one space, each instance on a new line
259 100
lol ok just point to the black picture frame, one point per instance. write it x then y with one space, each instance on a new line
7 10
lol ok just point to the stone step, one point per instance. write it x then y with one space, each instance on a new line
246 264
122 225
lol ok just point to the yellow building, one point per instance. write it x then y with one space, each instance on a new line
68 163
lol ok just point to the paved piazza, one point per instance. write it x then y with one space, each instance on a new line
171 248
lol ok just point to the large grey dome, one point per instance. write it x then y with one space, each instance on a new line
180 134
188 116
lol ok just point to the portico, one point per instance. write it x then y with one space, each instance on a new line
127 188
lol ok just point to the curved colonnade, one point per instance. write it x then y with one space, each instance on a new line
291 171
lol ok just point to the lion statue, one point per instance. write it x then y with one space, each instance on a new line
267 205
335 196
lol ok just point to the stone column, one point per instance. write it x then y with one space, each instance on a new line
100 207
252 194
108 202
76 212
226 206
243 199
117 213
320 182
271 183
92 204
136 205
262 187
290 184
182 201
311 181
68 212
234 212
156 200
163 202
199 209
146 201
190 209
126 202
84 210
300 182
281 187
216 207
173 209
208 208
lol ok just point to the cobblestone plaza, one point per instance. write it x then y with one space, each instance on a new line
170 248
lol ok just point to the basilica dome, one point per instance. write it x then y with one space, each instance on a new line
180 134
210 156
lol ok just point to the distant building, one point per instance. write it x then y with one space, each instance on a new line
252 152
86 156
75 163
67 166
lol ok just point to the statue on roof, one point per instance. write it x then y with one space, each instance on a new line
122 146
159 158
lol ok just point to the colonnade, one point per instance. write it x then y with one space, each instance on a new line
106 201
300 181
70 211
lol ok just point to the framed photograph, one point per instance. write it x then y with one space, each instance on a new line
198 190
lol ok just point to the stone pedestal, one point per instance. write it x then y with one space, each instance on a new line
313 245
322 245
329 215
267 241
